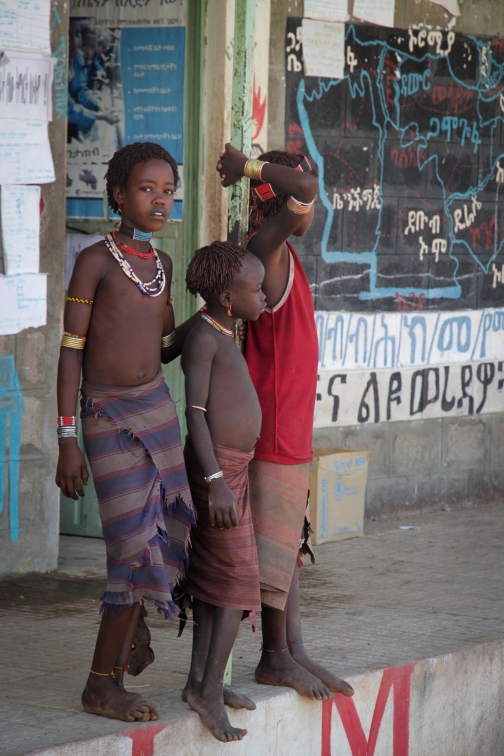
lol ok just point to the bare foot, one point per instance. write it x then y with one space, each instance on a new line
214 717
231 698
106 699
331 681
281 669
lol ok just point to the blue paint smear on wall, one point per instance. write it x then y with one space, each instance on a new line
11 412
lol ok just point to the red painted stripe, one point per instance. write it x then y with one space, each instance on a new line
143 738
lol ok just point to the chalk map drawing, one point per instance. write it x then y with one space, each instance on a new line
410 153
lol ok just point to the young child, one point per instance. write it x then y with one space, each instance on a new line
282 356
224 421
117 311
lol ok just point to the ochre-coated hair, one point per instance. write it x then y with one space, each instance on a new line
275 204
213 268
124 160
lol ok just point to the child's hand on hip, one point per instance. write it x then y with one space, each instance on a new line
222 505
230 165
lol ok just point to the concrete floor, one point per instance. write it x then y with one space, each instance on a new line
394 596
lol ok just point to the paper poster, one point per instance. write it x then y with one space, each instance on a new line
20 228
24 25
24 302
451 5
132 13
124 85
25 153
326 10
323 48
74 244
376 11
26 86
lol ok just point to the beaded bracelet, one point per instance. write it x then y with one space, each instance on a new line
300 208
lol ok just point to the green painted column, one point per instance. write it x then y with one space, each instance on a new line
241 138
241 113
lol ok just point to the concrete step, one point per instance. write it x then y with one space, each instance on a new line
449 705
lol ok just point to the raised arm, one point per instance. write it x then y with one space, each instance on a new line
198 355
268 243
71 473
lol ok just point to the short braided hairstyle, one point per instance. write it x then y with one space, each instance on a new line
124 160
277 157
213 268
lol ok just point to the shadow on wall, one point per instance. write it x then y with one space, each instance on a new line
11 412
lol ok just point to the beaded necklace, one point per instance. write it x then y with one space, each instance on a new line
151 288
134 233
217 326
131 251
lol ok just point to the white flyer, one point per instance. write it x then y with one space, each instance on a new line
24 25
25 152
20 228
326 10
26 86
451 6
323 48
379 12
23 302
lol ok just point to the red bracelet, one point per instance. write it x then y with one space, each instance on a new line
66 421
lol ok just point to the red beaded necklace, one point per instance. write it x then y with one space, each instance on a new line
131 251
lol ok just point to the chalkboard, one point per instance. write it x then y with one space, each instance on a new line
409 147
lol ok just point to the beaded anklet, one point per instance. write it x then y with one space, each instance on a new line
124 669
274 650
293 643
102 674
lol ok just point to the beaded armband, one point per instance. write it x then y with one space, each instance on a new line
80 301
72 341
252 169
300 208
167 341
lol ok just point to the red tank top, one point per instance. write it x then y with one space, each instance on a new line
282 356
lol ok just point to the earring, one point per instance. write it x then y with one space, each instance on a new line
119 211
230 314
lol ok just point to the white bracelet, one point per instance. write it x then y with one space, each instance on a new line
216 475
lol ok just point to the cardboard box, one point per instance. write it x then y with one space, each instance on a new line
337 493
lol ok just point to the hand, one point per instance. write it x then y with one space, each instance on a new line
71 473
110 116
230 165
242 330
222 505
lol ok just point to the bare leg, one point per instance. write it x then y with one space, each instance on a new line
101 694
203 615
297 650
122 659
278 667
206 698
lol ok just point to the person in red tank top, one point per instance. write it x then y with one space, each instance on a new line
282 357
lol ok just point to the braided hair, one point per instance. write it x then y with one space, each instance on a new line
213 268
124 160
274 205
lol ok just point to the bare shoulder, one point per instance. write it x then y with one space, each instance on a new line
95 254
200 337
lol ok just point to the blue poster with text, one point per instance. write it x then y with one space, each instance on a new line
152 69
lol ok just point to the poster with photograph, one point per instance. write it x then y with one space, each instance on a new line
125 84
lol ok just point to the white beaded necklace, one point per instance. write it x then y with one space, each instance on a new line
152 288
